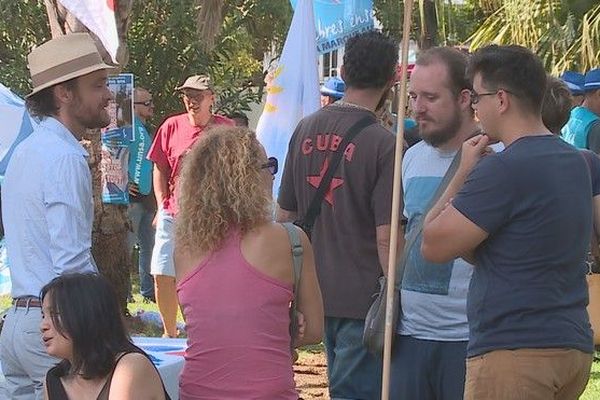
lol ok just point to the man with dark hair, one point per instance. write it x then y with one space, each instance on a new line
428 360
523 216
583 128
47 198
351 234
173 139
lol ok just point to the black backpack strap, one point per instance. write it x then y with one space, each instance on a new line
314 209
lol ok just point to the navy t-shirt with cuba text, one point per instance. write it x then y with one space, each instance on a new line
529 288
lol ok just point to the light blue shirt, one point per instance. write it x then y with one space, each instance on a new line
47 209
434 296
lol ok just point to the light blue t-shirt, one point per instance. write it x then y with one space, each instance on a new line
434 296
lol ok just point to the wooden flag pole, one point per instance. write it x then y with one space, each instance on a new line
391 278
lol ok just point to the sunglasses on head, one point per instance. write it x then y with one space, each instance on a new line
146 103
272 165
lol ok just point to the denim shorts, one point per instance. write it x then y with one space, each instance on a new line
162 254
353 372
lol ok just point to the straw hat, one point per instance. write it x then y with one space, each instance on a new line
63 58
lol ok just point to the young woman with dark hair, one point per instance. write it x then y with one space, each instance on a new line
82 325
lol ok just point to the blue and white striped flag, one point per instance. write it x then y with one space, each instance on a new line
292 88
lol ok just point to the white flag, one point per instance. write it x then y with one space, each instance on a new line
292 88
99 17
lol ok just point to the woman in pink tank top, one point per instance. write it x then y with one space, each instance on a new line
234 274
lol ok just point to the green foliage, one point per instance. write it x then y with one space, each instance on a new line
17 39
165 48
564 33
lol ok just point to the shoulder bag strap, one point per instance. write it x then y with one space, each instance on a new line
314 208
416 231
297 252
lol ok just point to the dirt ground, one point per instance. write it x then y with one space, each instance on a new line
311 376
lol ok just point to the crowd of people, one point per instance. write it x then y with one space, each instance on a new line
501 200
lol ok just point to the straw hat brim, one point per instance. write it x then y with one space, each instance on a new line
72 75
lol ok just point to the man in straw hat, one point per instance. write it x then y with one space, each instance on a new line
47 199
583 128
172 141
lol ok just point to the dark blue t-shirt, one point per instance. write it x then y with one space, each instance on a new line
528 289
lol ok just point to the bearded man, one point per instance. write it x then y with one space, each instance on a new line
47 198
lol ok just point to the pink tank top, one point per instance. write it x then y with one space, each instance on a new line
237 321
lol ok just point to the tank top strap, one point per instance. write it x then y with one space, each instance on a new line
103 395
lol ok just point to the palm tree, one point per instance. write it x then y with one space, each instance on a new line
565 34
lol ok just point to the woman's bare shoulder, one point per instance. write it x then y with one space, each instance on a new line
136 376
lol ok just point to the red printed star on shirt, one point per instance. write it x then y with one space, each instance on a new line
315 181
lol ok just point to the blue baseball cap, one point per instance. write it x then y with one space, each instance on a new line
592 80
333 87
574 81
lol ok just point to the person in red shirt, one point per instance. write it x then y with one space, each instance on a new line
173 140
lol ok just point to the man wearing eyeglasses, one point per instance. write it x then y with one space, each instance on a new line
523 217
173 140
142 205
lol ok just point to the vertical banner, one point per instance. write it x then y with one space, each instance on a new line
292 88
116 138
337 20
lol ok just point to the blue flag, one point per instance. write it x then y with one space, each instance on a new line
16 125
292 88
337 20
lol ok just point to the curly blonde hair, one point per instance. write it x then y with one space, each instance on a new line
221 187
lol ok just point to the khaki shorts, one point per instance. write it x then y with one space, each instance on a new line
528 374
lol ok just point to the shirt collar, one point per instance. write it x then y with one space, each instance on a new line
55 126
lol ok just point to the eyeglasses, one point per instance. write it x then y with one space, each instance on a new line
272 165
475 97
146 103
197 97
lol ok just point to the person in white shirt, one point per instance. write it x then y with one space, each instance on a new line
47 198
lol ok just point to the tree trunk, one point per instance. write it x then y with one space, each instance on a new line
429 27
111 226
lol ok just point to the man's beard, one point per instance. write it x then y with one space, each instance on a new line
93 120
443 135
90 118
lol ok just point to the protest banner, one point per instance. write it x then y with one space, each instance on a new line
337 20
116 138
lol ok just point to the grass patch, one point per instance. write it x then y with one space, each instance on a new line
592 392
